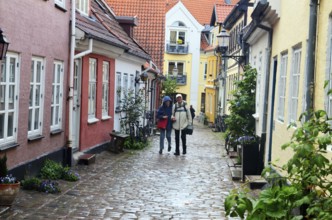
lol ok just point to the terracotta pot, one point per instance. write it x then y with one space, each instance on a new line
8 193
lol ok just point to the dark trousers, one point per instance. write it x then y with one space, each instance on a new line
177 141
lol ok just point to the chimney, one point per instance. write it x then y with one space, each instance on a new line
128 23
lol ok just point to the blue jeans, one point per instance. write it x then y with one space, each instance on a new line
162 137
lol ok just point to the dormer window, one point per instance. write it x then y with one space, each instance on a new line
83 6
178 33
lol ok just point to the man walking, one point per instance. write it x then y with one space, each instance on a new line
180 120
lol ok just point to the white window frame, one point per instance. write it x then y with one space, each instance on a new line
118 91
132 82
36 101
92 90
83 6
61 3
282 87
11 61
57 97
294 85
106 89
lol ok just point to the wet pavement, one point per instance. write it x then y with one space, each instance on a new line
140 185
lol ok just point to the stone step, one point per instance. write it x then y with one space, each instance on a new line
236 173
87 159
255 181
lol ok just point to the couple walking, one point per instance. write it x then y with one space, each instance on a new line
178 118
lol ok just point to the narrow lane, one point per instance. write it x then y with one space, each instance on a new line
141 185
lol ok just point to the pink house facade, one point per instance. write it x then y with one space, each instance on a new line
34 82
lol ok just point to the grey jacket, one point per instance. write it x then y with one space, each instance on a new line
182 116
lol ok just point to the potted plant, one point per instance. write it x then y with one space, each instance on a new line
9 186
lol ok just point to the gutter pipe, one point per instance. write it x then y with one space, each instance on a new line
310 76
71 78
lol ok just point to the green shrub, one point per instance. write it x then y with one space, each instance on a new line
32 183
134 145
70 175
51 170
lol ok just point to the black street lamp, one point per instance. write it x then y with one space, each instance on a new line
3 45
223 43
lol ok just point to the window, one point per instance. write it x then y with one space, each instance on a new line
118 91
205 70
125 82
282 87
132 81
106 85
83 6
36 97
57 98
178 65
294 85
92 89
61 3
9 70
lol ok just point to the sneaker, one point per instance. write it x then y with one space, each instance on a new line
161 152
184 152
176 154
169 148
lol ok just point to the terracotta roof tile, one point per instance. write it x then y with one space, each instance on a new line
103 26
151 24
222 11
200 9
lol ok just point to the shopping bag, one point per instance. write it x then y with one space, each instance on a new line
162 123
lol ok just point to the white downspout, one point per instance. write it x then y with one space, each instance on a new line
71 73
71 70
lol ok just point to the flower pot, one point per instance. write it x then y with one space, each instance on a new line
8 193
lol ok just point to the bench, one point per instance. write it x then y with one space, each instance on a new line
117 141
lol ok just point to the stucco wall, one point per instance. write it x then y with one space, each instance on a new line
97 133
36 28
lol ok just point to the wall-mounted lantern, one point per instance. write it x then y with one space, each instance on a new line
3 45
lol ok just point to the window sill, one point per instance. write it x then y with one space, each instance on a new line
56 131
92 120
9 146
104 118
35 138
61 8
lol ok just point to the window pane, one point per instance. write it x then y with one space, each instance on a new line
10 124
37 99
12 70
3 72
38 72
173 37
2 125
36 122
30 120
31 95
2 97
11 97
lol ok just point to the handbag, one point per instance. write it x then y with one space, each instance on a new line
162 123
189 129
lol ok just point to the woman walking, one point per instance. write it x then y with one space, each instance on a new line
165 113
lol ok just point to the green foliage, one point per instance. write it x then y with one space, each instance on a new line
241 122
169 86
69 175
309 174
32 183
133 107
3 166
134 145
51 170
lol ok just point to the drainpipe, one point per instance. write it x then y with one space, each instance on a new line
71 79
71 83
310 76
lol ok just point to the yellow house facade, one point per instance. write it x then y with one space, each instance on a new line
289 51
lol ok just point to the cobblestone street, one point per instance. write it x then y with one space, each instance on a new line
140 185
